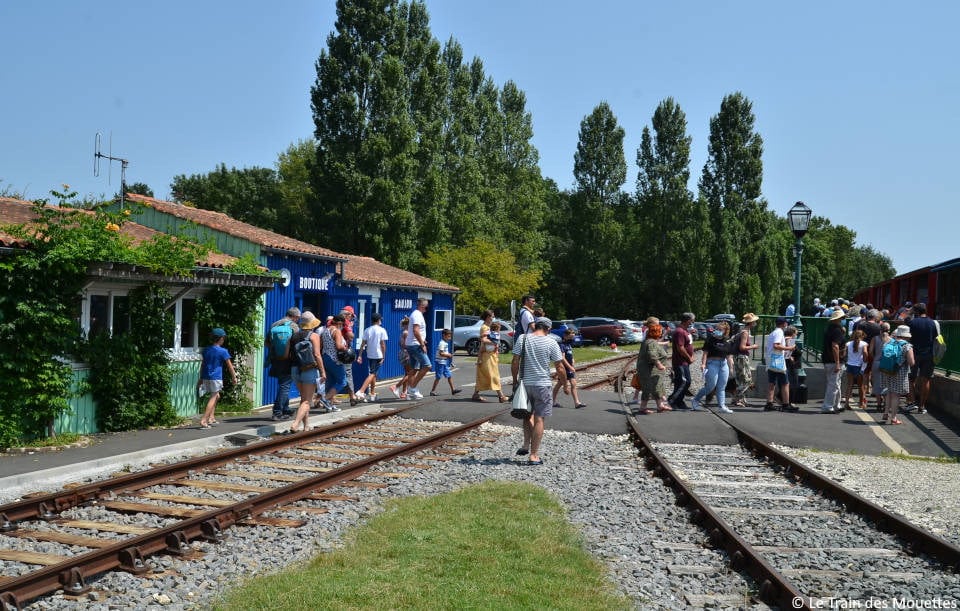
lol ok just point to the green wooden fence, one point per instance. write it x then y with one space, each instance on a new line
82 415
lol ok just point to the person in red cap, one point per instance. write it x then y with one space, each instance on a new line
349 316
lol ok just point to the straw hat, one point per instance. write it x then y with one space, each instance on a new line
750 317
837 315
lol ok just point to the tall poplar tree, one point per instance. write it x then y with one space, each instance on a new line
669 253
366 139
730 187
600 169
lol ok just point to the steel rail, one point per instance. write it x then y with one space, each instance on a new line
614 378
916 539
130 554
775 589
47 506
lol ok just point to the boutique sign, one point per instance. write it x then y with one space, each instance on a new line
314 284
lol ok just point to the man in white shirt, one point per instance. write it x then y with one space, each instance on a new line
777 345
417 349
375 343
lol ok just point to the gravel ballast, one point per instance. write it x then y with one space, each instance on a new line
628 519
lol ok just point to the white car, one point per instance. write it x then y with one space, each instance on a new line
632 333
468 337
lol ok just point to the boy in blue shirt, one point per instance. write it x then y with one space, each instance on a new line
215 357
441 366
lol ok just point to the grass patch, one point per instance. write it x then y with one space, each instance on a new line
496 545
60 439
935 459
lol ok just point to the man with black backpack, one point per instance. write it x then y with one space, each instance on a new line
277 343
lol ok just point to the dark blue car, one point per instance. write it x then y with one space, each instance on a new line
560 326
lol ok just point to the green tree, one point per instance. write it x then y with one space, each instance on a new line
297 198
669 256
730 185
487 276
595 259
251 195
366 139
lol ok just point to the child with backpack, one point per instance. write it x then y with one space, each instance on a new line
215 358
896 359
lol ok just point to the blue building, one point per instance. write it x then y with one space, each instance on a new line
311 278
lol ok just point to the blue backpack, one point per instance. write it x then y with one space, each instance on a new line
279 337
891 357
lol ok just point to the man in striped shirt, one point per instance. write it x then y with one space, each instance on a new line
538 353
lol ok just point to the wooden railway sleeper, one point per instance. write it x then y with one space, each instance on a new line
73 582
178 544
131 561
6 524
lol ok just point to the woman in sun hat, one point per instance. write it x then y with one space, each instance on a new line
742 370
897 382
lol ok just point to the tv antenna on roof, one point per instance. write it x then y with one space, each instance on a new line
97 155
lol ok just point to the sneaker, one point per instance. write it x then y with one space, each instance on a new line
456 391
695 405
396 393
415 395
360 396
922 410
725 410
790 407
333 408
828 410
769 407
909 407
372 397
276 417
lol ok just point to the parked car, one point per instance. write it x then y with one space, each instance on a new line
468 337
632 333
668 328
600 330
464 320
703 329
559 326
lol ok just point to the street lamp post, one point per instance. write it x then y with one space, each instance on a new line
799 218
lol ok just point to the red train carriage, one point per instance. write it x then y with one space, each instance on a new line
936 285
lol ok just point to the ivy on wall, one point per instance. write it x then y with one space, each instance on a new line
39 302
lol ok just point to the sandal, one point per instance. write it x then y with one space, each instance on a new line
479 399
895 421
503 399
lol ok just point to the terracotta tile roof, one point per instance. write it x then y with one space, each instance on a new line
371 271
221 222
356 268
17 212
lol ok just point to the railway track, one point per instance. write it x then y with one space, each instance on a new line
806 540
62 540
608 372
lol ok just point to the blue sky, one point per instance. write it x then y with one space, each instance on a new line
857 102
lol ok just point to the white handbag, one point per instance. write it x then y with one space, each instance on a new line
520 406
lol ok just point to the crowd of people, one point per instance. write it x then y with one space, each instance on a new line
887 354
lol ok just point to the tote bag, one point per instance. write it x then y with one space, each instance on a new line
520 406
778 362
